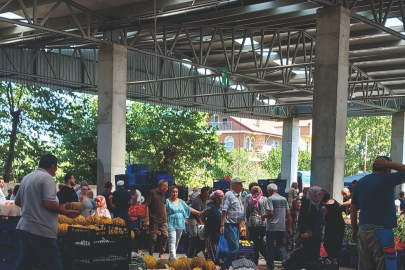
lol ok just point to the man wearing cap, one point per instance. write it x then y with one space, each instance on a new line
120 201
279 210
106 193
232 216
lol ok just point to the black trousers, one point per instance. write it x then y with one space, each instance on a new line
196 246
256 234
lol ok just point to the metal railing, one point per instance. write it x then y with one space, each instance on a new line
222 125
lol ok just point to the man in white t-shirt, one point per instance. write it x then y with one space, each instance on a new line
292 193
38 226
192 195
136 196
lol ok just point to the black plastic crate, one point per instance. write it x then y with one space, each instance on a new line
144 189
183 193
91 249
137 168
8 239
9 223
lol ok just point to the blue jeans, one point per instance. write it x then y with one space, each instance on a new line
270 238
34 246
232 238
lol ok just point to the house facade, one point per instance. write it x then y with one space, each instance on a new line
253 135
256 135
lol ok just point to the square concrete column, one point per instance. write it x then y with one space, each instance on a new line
290 145
330 99
397 142
111 134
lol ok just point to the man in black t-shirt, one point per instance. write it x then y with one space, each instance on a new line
107 193
352 186
68 193
120 201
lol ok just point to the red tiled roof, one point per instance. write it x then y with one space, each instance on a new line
252 125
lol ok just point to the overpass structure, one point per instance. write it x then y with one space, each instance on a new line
280 59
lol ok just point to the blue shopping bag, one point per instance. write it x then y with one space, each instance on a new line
222 250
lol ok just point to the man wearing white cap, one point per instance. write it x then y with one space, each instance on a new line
120 201
232 216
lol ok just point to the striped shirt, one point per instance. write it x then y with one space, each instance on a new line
232 204
280 206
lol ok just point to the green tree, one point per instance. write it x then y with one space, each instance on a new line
78 143
304 161
378 129
272 162
173 140
245 165
28 113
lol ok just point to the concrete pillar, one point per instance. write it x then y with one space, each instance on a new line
330 99
111 134
290 145
397 142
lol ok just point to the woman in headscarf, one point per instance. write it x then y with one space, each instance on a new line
289 238
212 220
255 209
310 223
101 207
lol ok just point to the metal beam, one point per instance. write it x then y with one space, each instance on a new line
175 79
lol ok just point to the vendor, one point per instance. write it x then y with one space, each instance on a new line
68 193
120 201
136 196
347 200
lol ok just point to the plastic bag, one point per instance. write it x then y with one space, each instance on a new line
222 250
201 232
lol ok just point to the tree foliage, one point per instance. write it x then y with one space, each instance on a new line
378 142
28 115
173 140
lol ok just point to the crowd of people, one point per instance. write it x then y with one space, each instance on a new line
274 222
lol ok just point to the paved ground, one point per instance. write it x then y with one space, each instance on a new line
261 266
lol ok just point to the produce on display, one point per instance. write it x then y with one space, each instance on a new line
119 222
399 231
105 220
242 228
245 243
161 264
348 235
62 228
137 261
64 219
136 211
197 262
196 268
150 262
74 206
92 220
80 220
209 265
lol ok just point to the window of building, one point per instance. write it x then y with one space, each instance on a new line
215 118
277 143
229 144
252 144
225 120
247 142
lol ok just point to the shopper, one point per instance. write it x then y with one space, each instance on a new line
78 189
310 223
10 192
199 203
291 238
85 201
67 193
136 195
255 209
2 197
107 193
212 224
120 201
278 212
232 216
334 227
90 195
101 207
156 216
177 213
38 226
193 194
373 194
304 194
292 193
15 191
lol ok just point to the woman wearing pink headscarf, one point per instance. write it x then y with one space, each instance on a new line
257 227
212 220
101 207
